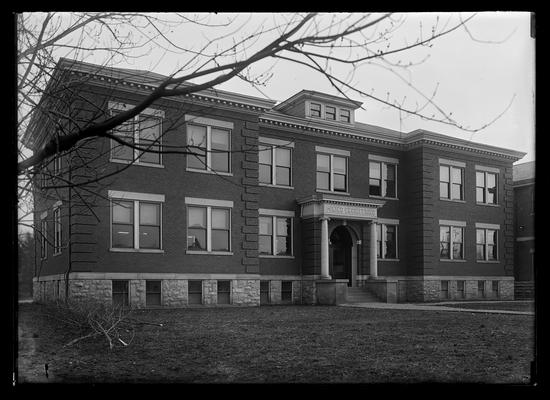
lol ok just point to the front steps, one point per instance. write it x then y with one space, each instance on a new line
360 295
524 290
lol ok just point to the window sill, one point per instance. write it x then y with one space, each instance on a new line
452 200
276 186
136 163
383 197
449 260
488 261
332 192
273 256
205 171
154 251
209 253
388 259
487 204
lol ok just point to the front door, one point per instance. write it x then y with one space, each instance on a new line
341 244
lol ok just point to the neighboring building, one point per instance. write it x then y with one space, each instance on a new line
524 229
279 203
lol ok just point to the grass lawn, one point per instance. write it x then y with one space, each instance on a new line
496 305
308 344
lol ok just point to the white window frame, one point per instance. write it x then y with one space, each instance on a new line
383 232
210 123
332 153
57 164
452 165
485 228
150 112
209 204
274 144
57 229
274 214
384 161
44 236
451 225
323 114
485 171
136 198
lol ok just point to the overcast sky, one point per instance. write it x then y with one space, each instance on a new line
477 77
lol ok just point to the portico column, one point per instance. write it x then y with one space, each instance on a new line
324 248
373 258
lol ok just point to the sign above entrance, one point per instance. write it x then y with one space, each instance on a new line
328 206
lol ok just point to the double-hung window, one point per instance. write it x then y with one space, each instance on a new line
486 185
276 233
57 164
332 169
208 144
208 225
136 221
382 176
330 113
386 239
43 235
487 242
142 134
275 162
315 110
451 240
57 226
345 115
451 179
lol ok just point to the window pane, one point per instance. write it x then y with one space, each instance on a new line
196 239
491 236
491 252
152 286
149 128
375 188
265 225
444 190
323 180
123 236
443 173
323 163
457 251
444 250
480 236
149 214
480 179
264 154
282 157
457 235
149 157
123 152
123 212
149 237
491 180
196 139
265 173
390 242
282 176
374 170
480 195
330 112
345 115
220 139
480 252
220 240
315 110
265 245
283 226
457 175
339 182
390 188
339 165
389 172
491 189
196 217
444 234
220 218
283 245
219 161
456 192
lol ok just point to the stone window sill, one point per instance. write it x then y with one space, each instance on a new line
382 197
453 260
488 261
152 251
209 253
276 186
137 163
332 192
203 171
487 204
452 200
273 256
388 259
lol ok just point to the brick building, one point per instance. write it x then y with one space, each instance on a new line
292 202
524 225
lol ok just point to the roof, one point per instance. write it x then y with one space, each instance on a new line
523 171
312 94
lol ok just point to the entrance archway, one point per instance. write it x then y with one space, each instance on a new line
341 244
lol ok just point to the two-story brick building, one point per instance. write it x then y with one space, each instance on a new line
289 202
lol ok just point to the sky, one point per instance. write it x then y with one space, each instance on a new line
478 74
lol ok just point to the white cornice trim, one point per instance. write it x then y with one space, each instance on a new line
208 202
276 213
121 195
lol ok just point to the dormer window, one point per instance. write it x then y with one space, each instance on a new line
345 115
315 110
330 113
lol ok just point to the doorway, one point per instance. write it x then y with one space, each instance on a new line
341 254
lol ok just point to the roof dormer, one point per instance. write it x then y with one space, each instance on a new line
320 106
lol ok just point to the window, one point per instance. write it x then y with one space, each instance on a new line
487 244
386 241
451 240
315 110
224 292
331 172
382 179
208 229
494 288
275 235
330 113
345 115
451 182
120 293
195 292
152 293
486 187
142 131
460 289
444 289
275 165
57 230
136 223
481 288
286 291
43 237
57 164
210 145
264 292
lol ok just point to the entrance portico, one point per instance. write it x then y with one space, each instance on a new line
324 209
